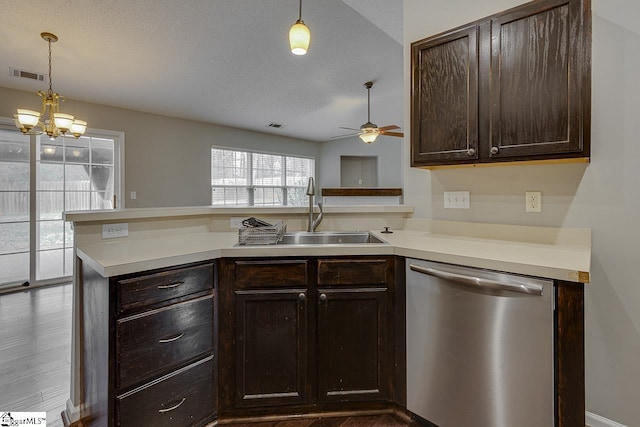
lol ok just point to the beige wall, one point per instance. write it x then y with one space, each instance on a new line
386 149
603 196
167 160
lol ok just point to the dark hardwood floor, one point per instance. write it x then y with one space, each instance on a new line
384 420
35 351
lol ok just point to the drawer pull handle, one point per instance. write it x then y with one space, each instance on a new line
166 340
171 285
162 411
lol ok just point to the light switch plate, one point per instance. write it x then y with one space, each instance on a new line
456 200
110 231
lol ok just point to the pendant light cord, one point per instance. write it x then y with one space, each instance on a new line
300 12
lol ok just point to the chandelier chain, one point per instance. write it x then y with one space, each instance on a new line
50 83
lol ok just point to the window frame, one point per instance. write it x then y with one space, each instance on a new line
251 187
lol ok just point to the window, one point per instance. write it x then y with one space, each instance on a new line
39 179
258 179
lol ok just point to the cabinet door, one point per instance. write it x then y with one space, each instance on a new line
271 347
540 81
444 93
353 347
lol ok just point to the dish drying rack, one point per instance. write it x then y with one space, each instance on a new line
262 235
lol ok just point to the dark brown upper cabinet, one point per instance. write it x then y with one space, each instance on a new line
444 126
511 87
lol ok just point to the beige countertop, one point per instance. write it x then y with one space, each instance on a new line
562 254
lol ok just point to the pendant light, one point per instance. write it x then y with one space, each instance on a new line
55 123
299 36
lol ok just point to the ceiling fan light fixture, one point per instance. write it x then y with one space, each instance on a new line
54 122
369 135
299 36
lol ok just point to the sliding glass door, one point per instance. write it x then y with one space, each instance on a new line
14 207
39 180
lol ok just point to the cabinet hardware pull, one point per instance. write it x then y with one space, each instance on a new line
302 296
478 282
166 340
323 297
471 152
494 150
162 411
171 285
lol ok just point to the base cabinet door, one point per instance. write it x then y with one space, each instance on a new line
271 347
352 344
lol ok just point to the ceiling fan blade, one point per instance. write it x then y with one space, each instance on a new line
399 134
344 136
389 127
348 128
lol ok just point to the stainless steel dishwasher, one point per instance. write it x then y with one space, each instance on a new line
479 347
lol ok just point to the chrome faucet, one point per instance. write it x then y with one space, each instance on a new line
311 191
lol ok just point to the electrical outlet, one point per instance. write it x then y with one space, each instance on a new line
533 201
133 195
456 200
110 231
236 222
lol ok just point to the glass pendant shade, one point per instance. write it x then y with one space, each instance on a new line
369 136
299 38
28 118
78 127
63 121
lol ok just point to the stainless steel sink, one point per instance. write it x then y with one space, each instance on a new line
330 238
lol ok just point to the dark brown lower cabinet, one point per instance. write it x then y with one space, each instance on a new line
352 344
306 334
149 360
271 348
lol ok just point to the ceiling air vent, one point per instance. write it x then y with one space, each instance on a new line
274 125
15 72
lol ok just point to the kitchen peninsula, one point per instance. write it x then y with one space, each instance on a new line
179 267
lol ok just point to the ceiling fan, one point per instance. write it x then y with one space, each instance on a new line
368 132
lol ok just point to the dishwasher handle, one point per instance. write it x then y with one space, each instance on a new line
478 282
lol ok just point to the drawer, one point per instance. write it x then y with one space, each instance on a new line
271 274
183 398
148 290
155 342
352 272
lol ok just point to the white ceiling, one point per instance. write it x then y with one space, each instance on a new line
216 61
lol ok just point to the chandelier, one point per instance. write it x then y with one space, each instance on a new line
50 121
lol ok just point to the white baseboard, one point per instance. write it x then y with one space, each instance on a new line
72 412
594 420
